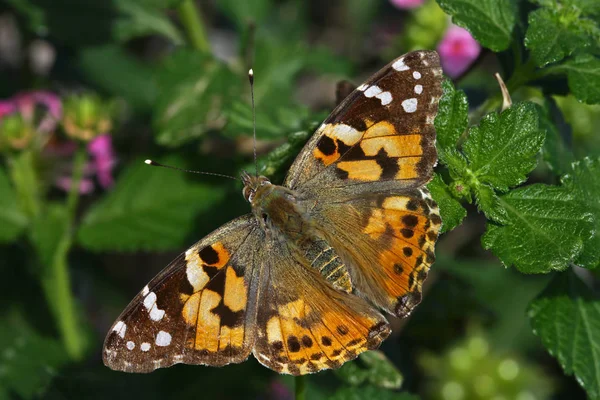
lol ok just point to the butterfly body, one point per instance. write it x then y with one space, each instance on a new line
300 281
277 210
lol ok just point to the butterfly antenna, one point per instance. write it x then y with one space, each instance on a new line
155 164
251 79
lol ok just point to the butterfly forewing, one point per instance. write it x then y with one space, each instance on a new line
382 131
200 310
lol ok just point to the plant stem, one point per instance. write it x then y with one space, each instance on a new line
58 281
193 25
300 387
26 182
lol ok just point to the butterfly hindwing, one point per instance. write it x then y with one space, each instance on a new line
201 309
305 324
387 241
382 131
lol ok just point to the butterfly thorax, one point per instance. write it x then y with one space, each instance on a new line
276 208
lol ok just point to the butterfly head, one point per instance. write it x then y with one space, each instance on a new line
251 185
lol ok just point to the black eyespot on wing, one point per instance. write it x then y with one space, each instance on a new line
209 255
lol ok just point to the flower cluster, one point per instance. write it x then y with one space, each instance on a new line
31 121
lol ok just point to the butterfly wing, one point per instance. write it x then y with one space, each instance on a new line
386 240
365 170
383 131
305 325
201 309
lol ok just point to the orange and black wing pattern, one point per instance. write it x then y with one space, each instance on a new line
200 310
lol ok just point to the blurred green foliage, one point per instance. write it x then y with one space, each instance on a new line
168 79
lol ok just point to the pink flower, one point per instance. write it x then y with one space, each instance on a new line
458 49
407 4
7 107
25 104
103 159
101 163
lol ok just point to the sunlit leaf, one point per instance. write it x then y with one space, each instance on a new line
546 229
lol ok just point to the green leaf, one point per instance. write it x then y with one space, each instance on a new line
142 18
584 181
272 123
109 66
277 65
370 392
491 22
566 317
372 367
546 229
489 203
451 120
501 150
194 91
28 361
451 211
12 219
149 209
555 33
583 74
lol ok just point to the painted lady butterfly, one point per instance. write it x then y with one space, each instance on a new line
299 282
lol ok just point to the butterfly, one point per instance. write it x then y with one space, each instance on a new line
301 281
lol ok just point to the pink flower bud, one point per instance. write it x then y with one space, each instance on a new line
458 49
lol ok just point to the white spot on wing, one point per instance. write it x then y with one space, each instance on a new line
149 300
145 346
196 275
145 290
362 87
417 75
156 314
120 328
399 65
373 91
130 345
385 97
418 89
163 338
410 105
346 134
